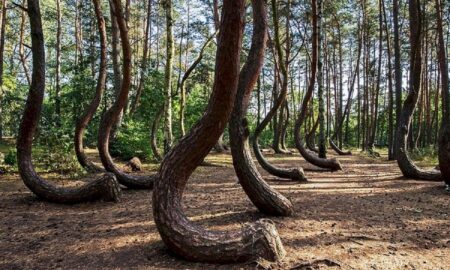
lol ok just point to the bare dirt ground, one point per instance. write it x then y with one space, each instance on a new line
366 217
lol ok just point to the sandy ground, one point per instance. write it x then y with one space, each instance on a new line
366 217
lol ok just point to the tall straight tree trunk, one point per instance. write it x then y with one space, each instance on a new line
320 93
397 70
23 58
444 138
405 163
104 188
183 237
2 54
117 72
378 83
58 64
168 135
145 55
391 130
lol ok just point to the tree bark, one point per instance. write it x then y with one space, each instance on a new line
397 70
90 110
113 114
106 187
183 237
405 163
320 92
23 58
444 137
2 54
183 92
265 198
168 135
58 64
296 174
331 164
145 56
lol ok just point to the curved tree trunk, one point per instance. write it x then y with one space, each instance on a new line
183 237
83 122
444 138
266 199
404 162
113 114
106 187
296 174
312 158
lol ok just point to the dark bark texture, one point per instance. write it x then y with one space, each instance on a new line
408 168
183 237
113 114
106 187
265 198
83 122
444 137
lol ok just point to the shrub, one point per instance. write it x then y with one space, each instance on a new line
11 158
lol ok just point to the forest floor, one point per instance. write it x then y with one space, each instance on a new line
365 217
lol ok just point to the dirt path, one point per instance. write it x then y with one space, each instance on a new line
366 217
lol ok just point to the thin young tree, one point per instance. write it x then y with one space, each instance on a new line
2 54
168 135
182 236
106 187
407 166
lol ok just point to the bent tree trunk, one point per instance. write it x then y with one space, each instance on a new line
444 138
296 174
113 114
183 237
266 199
106 187
312 158
408 168
83 122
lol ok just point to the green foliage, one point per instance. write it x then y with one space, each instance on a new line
11 158
133 140
427 157
56 154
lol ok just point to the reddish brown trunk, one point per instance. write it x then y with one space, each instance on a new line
112 115
104 188
183 237
84 121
